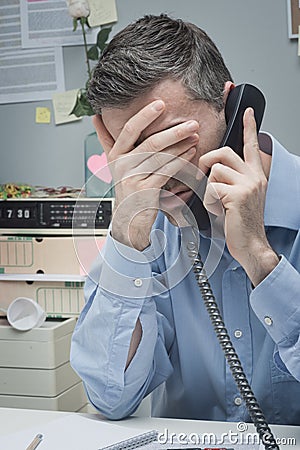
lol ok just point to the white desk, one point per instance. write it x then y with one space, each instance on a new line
12 420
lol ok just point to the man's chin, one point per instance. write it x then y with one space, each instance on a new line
173 205
175 216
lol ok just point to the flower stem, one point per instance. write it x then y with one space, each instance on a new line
82 21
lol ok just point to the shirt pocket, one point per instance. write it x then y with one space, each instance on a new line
286 396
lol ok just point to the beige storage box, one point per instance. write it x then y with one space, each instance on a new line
46 347
49 255
73 399
57 298
39 382
35 370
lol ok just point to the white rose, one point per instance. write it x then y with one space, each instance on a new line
78 8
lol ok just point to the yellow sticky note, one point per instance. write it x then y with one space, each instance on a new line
42 115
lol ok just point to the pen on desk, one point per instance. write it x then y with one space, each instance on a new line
36 441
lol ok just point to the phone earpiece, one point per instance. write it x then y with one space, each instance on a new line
239 99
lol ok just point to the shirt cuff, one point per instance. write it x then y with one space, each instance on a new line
275 301
126 272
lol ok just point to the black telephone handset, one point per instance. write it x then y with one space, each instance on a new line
239 99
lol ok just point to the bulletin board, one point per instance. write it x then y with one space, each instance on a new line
293 10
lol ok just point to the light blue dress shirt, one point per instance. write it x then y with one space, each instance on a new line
179 358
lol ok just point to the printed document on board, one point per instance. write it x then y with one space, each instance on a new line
26 75
47 23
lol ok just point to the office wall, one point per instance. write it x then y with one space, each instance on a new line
253 38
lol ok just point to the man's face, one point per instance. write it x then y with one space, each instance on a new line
178 108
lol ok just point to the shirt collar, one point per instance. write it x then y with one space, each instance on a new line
283 192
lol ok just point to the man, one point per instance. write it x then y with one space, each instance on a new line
159 92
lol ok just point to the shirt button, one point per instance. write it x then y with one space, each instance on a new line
238 401
268 321
238 334
138 282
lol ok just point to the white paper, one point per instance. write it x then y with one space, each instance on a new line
10 25
63 103
47 23
30 75
77 432
72 432
25 75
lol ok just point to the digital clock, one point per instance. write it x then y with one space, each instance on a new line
23 213
17 213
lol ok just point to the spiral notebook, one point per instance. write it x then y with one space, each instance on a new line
135 442
81 432
78 432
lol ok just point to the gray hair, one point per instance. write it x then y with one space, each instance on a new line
151 50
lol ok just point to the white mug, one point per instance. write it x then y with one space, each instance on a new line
24 314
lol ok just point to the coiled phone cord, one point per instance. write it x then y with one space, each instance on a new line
234 363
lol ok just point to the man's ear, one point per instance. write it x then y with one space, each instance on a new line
227 88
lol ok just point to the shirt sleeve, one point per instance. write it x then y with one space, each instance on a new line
118 291
276 302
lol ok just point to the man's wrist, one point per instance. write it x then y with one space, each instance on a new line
260 264
135 239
